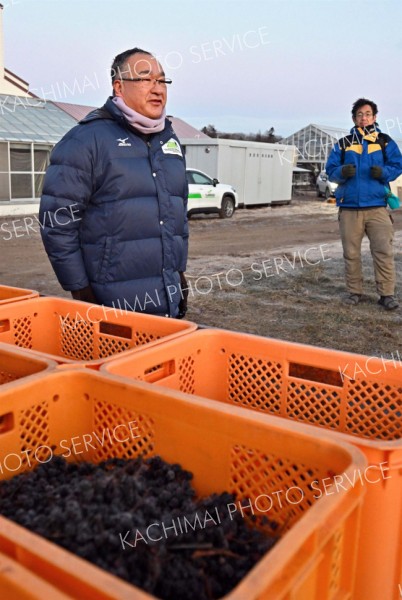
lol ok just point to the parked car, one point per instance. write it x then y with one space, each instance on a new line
207 195
324 186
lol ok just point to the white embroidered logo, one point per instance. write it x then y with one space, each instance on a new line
123 142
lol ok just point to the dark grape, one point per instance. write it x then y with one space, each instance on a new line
84 507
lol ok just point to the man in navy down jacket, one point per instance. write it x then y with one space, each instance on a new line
121 172
363 164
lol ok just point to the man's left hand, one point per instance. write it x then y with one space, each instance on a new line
376 172
184 296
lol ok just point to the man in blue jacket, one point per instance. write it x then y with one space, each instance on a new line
363 163
122 169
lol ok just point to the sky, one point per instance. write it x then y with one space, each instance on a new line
240 65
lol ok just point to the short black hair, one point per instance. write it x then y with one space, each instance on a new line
362 102
119 61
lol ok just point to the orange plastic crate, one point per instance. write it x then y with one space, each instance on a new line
361 402
17 364
12 294
18 583
69 331
226 448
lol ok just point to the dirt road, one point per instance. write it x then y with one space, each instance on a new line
263 229
271 271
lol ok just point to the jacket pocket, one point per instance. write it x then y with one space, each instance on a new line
104 263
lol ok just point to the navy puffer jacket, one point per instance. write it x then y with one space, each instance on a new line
126 196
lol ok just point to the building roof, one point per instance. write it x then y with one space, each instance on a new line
181 128
32 120
184 130
8 72
77 111
334 132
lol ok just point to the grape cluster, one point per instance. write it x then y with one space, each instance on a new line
84 507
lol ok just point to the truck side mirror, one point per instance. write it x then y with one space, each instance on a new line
214 181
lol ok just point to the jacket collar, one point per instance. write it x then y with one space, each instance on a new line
367 133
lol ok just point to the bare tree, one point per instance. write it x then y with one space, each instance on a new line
268 136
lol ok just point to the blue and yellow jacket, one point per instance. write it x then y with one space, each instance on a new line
363 149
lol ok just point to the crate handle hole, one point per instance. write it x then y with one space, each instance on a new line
56 397
6 422
160 371
123 331
4 325
318 374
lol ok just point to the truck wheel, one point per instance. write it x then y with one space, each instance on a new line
227 208
318 192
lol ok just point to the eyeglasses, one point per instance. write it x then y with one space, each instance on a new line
366 114
147 82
